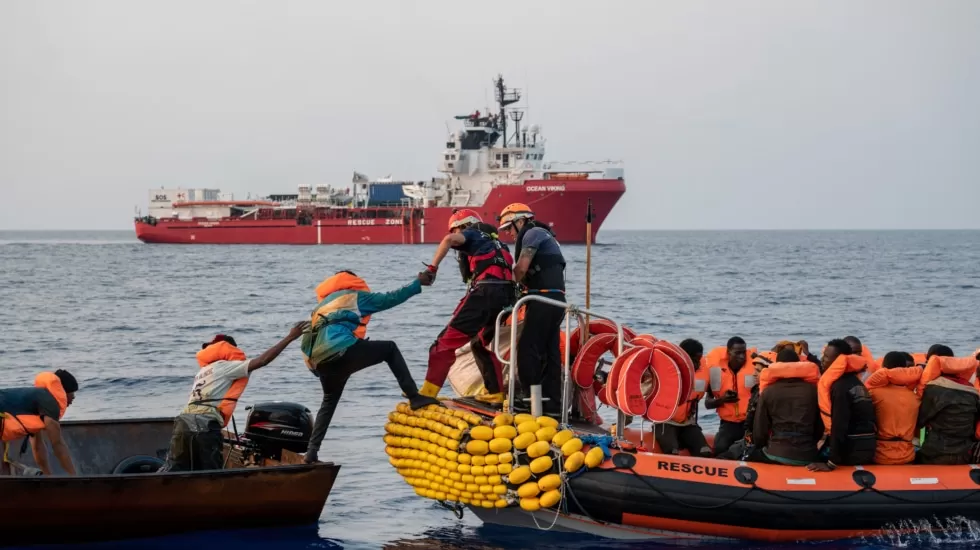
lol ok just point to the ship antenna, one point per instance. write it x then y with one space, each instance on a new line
504 98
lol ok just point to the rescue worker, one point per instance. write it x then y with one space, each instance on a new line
486 266
730 383
32 412
949 410
846 407
541 269
197 442
336 347
682 430
787 425
896 404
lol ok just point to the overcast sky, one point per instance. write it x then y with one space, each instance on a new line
781 114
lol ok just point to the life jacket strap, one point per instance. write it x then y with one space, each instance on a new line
895 439
27 436
328 322
542 291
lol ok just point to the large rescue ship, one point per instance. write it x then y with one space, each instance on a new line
484 167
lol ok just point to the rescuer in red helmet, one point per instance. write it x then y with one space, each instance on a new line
485 264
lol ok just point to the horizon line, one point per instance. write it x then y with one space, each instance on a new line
53 230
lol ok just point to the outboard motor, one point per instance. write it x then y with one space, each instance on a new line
277 425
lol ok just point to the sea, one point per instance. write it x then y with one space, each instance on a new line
127 318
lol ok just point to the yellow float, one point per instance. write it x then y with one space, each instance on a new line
456 456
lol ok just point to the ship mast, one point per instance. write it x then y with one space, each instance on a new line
504 98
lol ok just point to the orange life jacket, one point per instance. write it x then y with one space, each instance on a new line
768 356
896 411
219 351
721 379
842 365
804 370
959 367
224 351
919 358
867 355
21 425
340 281
683 413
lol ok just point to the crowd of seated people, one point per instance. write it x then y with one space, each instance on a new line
845 408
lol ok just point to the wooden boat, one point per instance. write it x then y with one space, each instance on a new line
118 493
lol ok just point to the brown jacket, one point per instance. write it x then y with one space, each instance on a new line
787 420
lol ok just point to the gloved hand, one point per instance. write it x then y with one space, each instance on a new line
427 277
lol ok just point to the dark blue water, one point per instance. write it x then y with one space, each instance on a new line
127 319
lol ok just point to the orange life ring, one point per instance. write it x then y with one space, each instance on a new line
628 389
598 326
587 360
644 340
659 403
608 394
669 393
684 365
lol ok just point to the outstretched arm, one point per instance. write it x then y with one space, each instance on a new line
372 302
40 453
449 241
53 429
273 352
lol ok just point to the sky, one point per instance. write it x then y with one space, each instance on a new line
727 115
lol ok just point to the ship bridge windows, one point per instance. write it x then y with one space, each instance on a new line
477 138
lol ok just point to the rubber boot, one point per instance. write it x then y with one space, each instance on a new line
420 401
491 398
407 384
429 389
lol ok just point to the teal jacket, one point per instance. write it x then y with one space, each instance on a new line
341 318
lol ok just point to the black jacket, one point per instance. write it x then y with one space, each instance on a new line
949 413
853 431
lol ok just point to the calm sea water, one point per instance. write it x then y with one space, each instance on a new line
127 319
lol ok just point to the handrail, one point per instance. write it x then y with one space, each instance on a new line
570 309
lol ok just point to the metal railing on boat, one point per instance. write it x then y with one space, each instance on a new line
581 315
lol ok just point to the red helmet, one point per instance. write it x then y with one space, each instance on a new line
463 217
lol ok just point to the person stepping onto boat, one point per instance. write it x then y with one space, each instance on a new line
731 380
787 425
846 408
896 404
541 269
950 410
33 412
485 265
682 431
336 346
197 441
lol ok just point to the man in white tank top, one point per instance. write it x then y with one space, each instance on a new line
197 441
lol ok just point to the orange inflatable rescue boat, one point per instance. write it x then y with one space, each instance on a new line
538 473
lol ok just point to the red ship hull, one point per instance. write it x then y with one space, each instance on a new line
561 203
